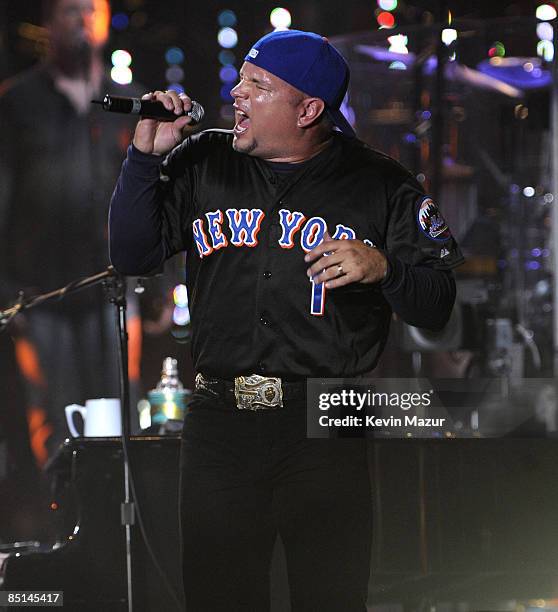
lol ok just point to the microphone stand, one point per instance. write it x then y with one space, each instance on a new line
24 303
115 283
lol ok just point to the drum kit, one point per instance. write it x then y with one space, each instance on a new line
475 134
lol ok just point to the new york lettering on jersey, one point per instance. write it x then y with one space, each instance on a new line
244 226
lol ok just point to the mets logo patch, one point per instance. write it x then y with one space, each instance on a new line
431 221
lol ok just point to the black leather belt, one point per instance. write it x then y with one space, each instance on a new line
254 392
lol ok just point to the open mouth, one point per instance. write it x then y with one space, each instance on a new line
242 122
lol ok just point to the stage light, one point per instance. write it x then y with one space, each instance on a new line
227 37
528 192
398 43
228 74
385 20
178 87
181 316
174 73
497 50
226 58
121 58
397 65
545 49
120 21
545 31
226 18
121 75
180 296
546 12
174 55
280 18
387 5
449 35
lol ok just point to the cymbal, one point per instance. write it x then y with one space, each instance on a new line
480 80
385 55
453 70
520 72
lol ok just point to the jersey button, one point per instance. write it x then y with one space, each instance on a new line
264 320
267 274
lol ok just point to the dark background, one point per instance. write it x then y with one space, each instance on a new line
157 25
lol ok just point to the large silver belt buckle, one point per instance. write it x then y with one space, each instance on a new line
256 392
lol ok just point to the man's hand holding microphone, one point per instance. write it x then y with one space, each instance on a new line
167 117
159 137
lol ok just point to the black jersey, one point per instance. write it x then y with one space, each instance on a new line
253 307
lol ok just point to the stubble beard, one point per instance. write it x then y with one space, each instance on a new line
247 148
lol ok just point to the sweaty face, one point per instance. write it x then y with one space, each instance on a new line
79 23
266 113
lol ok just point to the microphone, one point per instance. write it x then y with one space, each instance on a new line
151 109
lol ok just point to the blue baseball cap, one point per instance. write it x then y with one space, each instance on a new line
308 62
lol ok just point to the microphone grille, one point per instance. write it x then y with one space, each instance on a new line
197 112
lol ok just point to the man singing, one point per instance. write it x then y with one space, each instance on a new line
301 241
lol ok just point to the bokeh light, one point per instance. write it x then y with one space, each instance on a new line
546 12
545 31
226 57
120 21
226 18
387 5
174 55
280 18
227 37
178 87
121 58
228 74
181 316
398 43
497 50
545 49
385 20
180 296
174 73
449 35
121 75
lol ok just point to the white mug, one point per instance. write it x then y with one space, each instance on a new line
101 418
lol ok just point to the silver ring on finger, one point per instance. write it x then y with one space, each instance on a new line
340 271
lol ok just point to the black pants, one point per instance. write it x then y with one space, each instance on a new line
247 476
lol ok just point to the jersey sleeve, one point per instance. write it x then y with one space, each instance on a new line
176 197
417 232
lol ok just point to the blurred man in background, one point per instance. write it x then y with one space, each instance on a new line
59 158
